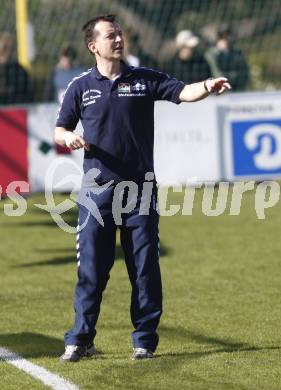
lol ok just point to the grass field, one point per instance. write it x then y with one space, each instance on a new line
222 306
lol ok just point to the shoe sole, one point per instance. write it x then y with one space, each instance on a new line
143 358
78 360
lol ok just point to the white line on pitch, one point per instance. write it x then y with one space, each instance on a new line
52 380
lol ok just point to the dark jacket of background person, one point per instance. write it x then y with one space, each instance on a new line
193 70
190 65
64 72
14 79
228 60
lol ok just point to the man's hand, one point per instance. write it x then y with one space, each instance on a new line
65 137
218 85
75 141
198 91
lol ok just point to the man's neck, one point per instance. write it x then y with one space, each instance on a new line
109 69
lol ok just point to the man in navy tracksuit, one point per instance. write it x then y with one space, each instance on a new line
115 103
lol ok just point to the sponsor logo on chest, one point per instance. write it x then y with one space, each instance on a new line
137 88
124 88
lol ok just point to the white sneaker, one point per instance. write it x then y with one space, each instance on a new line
142 353
73 353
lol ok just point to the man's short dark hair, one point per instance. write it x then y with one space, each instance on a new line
89 27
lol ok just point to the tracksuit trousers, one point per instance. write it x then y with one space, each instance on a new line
96 253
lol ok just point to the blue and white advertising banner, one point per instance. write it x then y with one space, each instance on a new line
250 127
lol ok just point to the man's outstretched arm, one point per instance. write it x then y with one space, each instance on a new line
199 91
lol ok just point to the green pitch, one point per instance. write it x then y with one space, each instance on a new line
222 304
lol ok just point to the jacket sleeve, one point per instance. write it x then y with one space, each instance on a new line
164 87
69 113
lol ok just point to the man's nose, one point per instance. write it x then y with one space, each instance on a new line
118 38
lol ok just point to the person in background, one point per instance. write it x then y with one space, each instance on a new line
190 64
65 70
225 58
14 79
129 58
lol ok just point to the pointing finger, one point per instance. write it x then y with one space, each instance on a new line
220 79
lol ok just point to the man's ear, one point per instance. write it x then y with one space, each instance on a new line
92 47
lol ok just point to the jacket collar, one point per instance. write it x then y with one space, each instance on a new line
126 71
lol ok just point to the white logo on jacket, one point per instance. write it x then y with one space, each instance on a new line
138 86
90 96
124 88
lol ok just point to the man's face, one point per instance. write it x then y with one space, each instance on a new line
108 42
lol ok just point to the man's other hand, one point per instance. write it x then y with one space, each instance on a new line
75 141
